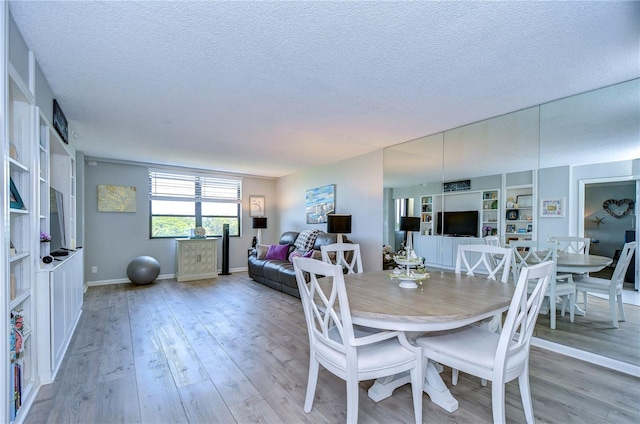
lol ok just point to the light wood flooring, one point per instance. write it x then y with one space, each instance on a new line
595 332
231 350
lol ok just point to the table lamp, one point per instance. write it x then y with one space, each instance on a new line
259 223
408 224
338 224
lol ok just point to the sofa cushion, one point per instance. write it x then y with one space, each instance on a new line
300 254
261 250
306 239
278 252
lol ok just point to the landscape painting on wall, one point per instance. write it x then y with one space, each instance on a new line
320 201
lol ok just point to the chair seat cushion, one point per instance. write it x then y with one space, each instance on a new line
375 357
471 344
595 284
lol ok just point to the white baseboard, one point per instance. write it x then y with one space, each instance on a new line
160 277
603 361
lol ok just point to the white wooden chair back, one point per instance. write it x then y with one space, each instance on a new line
321 305
578 245
342 252
526 253
492 240
494 259
619 272
521 317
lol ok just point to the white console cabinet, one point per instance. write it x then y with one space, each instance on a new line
196 259
59 292
441 252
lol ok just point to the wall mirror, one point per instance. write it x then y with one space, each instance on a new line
510 162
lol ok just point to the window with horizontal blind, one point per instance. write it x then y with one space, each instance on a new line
179 202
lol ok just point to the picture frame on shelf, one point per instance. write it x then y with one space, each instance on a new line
529 228
256 206
512 214
552 208
524 200
511 228
14 198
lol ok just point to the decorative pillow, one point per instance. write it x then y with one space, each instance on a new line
300 254
306 239
277 251
261 250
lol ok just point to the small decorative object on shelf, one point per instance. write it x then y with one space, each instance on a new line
486 231
512 214
44 237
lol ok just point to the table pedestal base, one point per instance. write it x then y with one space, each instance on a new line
433 386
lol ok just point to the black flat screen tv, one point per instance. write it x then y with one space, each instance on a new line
458 223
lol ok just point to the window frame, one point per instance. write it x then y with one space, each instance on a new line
230 188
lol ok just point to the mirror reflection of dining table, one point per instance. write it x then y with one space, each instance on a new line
443 301
577 263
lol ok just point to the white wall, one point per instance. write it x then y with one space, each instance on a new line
358 192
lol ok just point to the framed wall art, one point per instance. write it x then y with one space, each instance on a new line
256 206
320 202
552 208
60 122
113 198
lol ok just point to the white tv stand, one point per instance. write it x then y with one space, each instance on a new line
59 290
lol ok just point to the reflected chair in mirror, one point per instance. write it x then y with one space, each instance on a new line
347 255
611 288
578 245
525 254
338 347
495 262
492 241
497 357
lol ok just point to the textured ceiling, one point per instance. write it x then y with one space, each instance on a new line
269 88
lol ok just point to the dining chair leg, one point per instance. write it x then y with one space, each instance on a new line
417 381
572 306
584 301
314 368
352 400
497 401
621 308
525 394
552 311
614 312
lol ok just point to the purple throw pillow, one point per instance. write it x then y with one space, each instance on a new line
277 251
308 254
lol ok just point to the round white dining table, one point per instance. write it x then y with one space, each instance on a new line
443 301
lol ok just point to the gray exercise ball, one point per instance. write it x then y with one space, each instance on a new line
143 270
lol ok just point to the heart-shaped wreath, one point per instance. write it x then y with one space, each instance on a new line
618 208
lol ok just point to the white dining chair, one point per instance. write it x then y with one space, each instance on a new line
578 245
496 261
346 255
493 260
338 347
611 288
492 240
527 253
497 357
